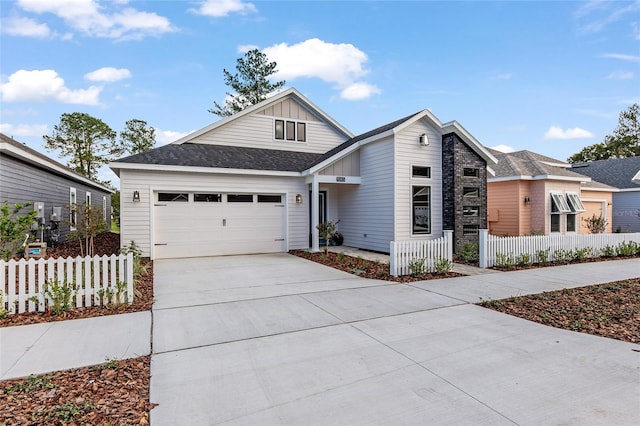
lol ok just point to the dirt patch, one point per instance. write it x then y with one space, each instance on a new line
609 310
105 243
365 268
113 393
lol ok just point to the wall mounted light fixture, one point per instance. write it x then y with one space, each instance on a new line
298 199
424 140
527 200
136 196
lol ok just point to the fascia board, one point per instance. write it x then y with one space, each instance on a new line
210 170
594 189
425 113
51 165
454 126
491 171
564 178
636 178
261 105
508 178
629 190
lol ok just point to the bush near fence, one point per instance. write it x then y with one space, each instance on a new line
495 250
23 282
403 254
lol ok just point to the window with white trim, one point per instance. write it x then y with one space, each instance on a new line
73 208
559 206
571 222
87 199
290 130
420 172
104 207
421 209
574 202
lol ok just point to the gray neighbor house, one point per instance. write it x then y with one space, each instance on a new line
624 175
261 180
29 176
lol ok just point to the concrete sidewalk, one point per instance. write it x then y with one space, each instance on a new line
60 345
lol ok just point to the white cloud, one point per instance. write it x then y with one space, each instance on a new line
620 75
622 57
45 85
595 16
220 8
24 129
556 132
505 76
502 148
357 91
25 27
108 74
164 137
92 19
244 48
341 64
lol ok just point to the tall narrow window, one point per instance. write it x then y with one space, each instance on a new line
571 223
104 208
88 199
421 209
279 129
73 214
291 130
302 132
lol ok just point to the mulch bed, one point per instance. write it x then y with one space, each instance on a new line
609 310
113 393
365 268
568 262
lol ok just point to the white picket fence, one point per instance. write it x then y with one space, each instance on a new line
22 282
490 245
403 253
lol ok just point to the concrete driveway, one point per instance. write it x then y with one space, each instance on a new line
275 339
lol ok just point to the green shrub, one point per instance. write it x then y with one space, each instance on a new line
579 255
14 228
561 256
469 253
629 248
443 266
340 257
3 312
504 260
608 251
138 268
59 294
523 259
542 256
417 267
113 297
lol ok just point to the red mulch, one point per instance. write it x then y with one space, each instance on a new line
104 243
113 393
610 310
365 268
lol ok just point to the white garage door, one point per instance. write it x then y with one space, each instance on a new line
188 224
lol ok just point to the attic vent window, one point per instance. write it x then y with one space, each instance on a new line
290 130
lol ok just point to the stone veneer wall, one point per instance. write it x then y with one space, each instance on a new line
456 155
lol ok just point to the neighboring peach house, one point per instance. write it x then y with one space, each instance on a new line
534 194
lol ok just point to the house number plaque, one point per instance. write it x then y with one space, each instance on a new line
341 179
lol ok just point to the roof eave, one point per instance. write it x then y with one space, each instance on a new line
455 127
198 169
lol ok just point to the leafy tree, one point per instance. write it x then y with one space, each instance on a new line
115 205
14 228
90 223
250 83
624 142
595 224
88 141
137 137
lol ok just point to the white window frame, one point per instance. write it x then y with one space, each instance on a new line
73 210
576 224
574 202
413 211
559 201
104 207
87 199
413 176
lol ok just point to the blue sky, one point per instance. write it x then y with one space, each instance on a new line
550 77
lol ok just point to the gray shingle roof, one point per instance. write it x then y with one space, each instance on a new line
228 157
617 172
527 163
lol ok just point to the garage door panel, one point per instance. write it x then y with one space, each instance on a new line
190 229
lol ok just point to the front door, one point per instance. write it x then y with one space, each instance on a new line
322 212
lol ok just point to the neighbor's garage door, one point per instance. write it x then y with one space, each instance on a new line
188 224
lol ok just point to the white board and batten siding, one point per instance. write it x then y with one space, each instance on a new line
366 210
139 218
257 131
409 153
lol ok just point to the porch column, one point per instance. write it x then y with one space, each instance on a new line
315 214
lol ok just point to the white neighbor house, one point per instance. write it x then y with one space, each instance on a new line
261 180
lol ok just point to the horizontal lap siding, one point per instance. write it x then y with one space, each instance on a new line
502 199
408 153
136 218
367 208
21 182
626 207
257 131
